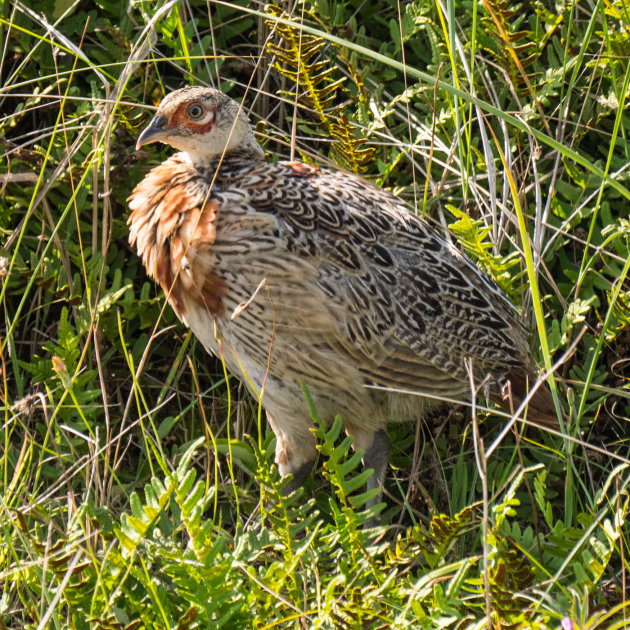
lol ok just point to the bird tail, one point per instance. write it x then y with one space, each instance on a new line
540 407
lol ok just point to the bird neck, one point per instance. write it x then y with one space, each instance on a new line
250 146
222 140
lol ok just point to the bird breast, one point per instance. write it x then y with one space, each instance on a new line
173 227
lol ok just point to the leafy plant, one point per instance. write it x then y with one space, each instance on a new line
318 92
507 124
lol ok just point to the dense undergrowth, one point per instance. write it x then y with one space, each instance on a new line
136 476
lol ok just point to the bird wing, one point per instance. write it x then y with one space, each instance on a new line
407 306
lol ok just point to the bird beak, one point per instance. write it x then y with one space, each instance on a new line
154 132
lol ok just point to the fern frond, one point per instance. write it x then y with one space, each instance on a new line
319 92
473 237
431 547
297 61
351 151
505 36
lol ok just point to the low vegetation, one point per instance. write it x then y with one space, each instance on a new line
137 485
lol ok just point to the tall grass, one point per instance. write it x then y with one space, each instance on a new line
137 485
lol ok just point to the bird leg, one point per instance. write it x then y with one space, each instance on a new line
296 452
299 477
376 456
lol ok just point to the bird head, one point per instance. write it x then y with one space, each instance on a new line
201 122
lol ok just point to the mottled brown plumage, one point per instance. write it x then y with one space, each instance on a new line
305 275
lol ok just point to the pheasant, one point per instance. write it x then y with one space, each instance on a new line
297 275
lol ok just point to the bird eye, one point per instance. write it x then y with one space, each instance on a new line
195 111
